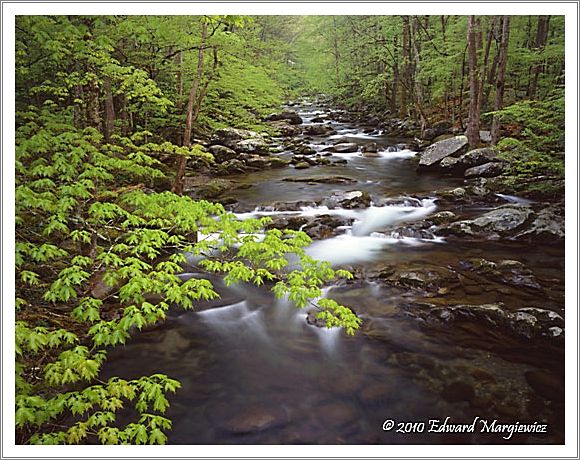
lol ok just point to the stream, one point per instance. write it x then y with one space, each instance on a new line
254 371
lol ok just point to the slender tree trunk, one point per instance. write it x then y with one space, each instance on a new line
93 105
500 85
182 161
109 124
406 68
473 26
179 88
420 114
482 94
540 43
396 77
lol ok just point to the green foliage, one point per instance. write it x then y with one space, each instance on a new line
537 147
98 251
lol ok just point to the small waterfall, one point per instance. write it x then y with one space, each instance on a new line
236 322
374 218
514 199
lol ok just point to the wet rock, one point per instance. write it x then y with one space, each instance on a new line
304 150
375 393
546 384
354 199
222 153
442 217
485 136
210 189
482 375
256 419
254 146
433 154
290 223
277 162
485 170
458 391
325 226
289 115
318 130
285 129
229 137
370 148
337 414
504 219
258 162
232 166
321 179
481 402
345 147
511 272
313 320
426 278
528 323
548 226
302 165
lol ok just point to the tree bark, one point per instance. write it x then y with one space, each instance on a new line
473 26
406 68
500 85
182 161
420 114
483 94
539 44
109 123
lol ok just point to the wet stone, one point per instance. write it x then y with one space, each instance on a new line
458 391
375 393
337 414
256 419
546 384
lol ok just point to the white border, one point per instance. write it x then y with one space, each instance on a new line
280 8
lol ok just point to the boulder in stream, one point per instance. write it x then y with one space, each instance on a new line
288 115
433 154
353 199
222 153
318 130
491 169
344 147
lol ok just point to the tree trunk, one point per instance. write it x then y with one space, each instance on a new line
395 87
179 88
540 43
109 124
93 111
406 68
182 161
483 95
473 26
499 90
420 114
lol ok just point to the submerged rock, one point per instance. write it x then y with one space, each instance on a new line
256 419
527 323
321 179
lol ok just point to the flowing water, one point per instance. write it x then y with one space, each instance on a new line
255 372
